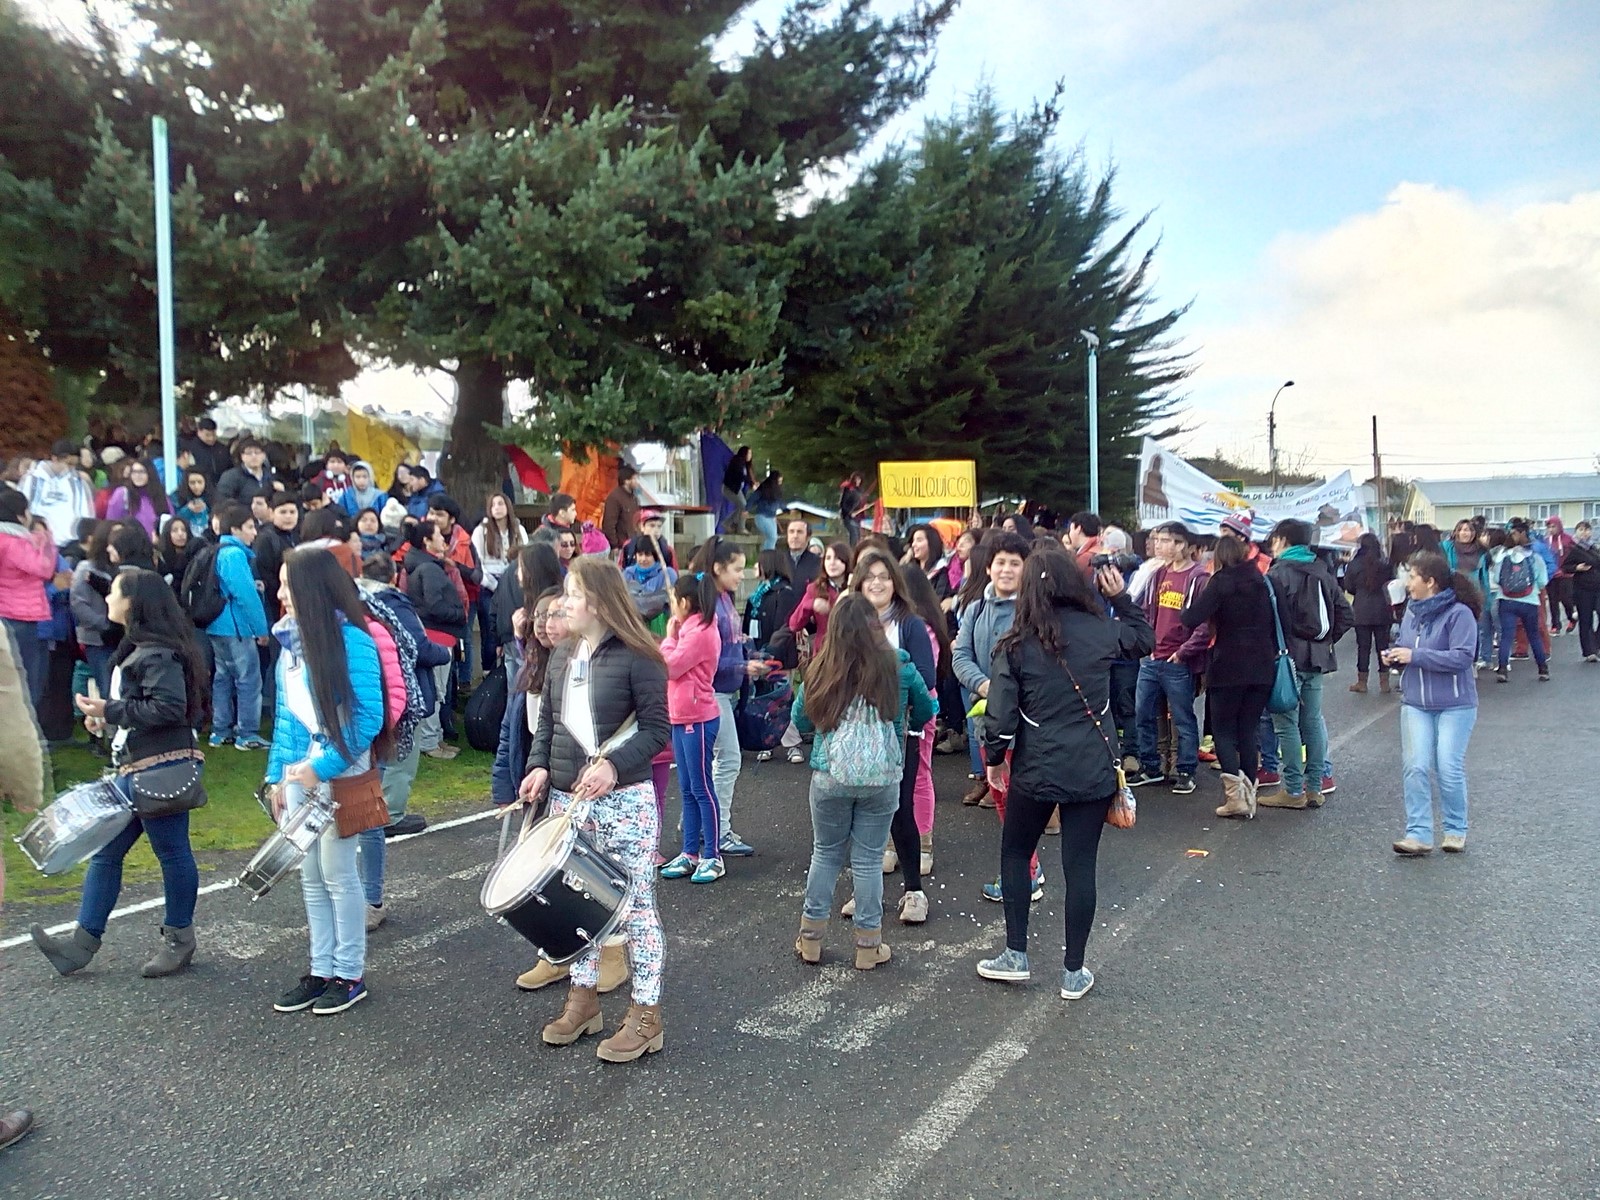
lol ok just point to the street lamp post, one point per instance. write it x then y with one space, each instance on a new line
1272 431
1094 418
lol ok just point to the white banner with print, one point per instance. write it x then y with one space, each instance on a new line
1170 489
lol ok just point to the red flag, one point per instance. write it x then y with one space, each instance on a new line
879 517
529 472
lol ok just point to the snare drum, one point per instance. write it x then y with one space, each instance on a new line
79 823
287 848
559 890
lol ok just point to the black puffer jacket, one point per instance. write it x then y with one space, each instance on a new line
153 704
621 683
434 595
1057 755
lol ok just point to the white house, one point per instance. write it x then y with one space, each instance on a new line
1443 502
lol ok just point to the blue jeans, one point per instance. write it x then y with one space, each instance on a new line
180 878
1434 748
335 905
692 746
1176 683
99 660
767 527
974 733
1268 737
1486 627
854 822
1303 726
1512 614
235 688
397 780
33 658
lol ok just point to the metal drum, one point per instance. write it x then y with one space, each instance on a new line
79 823
287 848
558 889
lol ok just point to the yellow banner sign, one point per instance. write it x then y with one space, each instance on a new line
952 484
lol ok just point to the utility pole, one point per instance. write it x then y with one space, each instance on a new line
1377 477
166 335
1272 432
1094 418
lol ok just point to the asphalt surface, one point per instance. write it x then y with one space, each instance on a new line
1298 1014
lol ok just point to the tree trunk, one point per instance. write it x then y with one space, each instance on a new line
476 465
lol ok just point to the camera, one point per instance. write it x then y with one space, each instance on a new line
1122 561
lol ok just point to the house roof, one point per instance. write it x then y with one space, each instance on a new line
1527 489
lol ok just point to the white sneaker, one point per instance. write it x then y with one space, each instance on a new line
891 861
913 908
849 909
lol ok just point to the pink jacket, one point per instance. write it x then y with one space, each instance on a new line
27 563
394 680
691 651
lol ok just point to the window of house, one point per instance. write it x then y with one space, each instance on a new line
1494 514
1591 511
1543 512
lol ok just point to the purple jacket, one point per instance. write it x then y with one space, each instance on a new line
1442 635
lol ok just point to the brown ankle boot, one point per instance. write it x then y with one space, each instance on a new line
614 969
1360 685
870 950
1383 682
641 1033
581 1016
1237 802
809 944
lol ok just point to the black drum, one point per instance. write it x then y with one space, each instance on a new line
558 889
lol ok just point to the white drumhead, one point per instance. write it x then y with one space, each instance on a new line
527 865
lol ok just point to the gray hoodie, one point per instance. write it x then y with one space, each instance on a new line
983 623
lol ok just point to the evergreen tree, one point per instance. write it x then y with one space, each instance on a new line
935 313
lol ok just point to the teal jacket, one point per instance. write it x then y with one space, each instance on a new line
292 742
913 692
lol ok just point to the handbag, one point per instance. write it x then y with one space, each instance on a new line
164 785
360 801
1123 810
1285 694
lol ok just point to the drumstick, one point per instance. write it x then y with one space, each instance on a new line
94 690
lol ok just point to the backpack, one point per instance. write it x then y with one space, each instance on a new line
1312 617
863 750
201 590
1516 576
763 711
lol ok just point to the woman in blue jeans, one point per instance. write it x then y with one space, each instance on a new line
329 722
857 682
156 700
1439 700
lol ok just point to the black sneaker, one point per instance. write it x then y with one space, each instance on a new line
410 823
1544 675
1183 784
302 994
1501 675
341 994
1141 777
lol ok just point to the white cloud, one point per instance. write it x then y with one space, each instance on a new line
1470 329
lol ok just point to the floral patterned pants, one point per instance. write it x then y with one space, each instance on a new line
629 828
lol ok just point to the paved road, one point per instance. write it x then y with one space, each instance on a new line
1298 1014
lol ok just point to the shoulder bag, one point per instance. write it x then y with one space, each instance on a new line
164 785
1124 809
1285 694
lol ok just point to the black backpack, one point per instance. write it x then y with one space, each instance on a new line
201 590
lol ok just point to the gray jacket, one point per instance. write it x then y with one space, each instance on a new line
983 623
89 603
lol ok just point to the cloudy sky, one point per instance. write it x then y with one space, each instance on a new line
1395 203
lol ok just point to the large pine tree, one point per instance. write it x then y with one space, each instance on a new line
935 313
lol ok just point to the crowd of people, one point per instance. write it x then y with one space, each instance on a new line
1072 666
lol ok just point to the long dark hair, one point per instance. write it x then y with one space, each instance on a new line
976 579
156 619
538 569
99 543
716 552
935 544
840 551
323 591
872 556
496 544
925 603
1051 580
133 545
536 655
1434 567
1369 569
152 490
691 592
184 495
175 558
855 660
770 487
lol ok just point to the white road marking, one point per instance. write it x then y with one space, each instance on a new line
223 885
1345 738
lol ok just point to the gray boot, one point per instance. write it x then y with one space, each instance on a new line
177 948
66 955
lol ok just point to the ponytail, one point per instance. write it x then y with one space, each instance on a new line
699 592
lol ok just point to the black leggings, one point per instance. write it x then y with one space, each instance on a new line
1588 602
903 828
1080 848
1367 637
1235 722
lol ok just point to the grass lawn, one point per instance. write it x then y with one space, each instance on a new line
232 820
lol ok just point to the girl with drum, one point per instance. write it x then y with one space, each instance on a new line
156 700
602 718
329 725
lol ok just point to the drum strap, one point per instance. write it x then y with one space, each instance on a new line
157 760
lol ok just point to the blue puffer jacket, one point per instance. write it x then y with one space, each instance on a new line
1442 635
730 674
292 742
243 615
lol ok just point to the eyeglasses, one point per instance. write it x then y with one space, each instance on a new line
877 577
